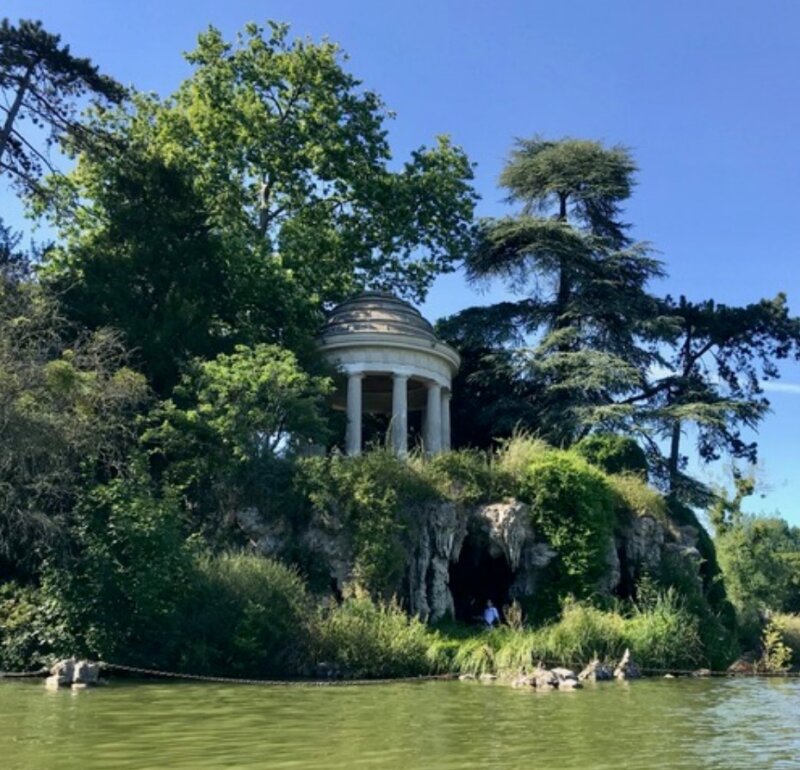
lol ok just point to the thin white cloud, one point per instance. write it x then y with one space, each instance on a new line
782 387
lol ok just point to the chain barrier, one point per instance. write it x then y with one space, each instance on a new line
157 673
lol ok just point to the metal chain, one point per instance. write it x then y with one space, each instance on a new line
385 680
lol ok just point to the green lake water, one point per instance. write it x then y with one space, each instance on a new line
730 723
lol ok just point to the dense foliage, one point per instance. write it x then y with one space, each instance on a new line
159 383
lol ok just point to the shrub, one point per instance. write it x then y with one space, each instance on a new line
789 625
573 506
117 596
363 638
375 496
636 498
613 454
466 476
776 655
245 615
28 631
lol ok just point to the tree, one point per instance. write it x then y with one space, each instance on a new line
220 441
714 359
266 175
65 418
580 328
41 82
158 271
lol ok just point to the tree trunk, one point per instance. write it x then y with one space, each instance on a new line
673 465
14 109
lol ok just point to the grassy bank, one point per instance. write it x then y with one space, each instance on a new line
243 615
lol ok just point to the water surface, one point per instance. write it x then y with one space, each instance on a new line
646 725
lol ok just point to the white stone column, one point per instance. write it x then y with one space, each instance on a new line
354 401
433 420
400 414
445 420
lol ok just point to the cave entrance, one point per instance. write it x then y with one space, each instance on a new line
477 576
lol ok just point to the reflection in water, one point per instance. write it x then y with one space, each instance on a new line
647 725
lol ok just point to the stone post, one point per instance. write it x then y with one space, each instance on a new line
445 420
433 420
353 438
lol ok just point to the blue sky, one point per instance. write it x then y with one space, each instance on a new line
704 93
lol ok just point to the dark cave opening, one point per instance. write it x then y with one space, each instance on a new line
476 577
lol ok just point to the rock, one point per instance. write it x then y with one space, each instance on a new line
466 677
626 668
79 686
86 673
487 677
701 672
543 679
54 682
596 671
746 664
564 673
523 681
669 676
65 669
569 684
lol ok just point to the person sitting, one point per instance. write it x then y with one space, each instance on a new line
491 617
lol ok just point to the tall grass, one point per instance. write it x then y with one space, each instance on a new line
363 638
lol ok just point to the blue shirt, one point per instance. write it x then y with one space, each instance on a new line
491 616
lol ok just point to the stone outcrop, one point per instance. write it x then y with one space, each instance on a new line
626 668
73 673
501 530
595 671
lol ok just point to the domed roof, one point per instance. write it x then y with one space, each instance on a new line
378 312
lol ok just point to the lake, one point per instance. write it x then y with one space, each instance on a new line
649 724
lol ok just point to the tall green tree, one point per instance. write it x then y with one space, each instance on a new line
42 83
267 175
713 363
585 311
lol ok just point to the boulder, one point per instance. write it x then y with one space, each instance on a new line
64 669
523 681
466 677
487 677
86 673
544 679
701 672
626 668
564 674
569 684
596 671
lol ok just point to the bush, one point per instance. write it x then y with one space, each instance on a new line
572 505
465 476
636 498
28 634
118 596
363 638
789 623
245 616
613 454
375 496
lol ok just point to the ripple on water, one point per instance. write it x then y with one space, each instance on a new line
648 725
